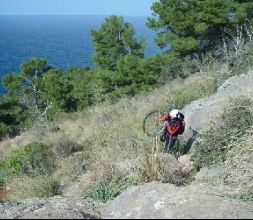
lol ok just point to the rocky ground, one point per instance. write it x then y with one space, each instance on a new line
51 208
153 200
166 201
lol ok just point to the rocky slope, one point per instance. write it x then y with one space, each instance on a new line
155 200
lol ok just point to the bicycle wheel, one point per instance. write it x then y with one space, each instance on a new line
151 124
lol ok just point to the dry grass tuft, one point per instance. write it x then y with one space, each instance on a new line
240 162
27 187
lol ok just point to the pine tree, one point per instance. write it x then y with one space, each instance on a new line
195 27
114 39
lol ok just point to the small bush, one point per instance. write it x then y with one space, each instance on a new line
64 147
32 159
247 196
4 130
109 188
160 167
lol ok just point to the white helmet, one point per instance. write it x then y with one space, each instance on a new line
174 113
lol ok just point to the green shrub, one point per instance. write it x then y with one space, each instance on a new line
108 189
213 145
245 196
32 159
4 130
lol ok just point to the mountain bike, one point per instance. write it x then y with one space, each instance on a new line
152 126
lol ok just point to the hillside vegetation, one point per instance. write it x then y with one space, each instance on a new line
104 137
101 151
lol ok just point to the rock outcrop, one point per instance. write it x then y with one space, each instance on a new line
51 208
166 201
199 114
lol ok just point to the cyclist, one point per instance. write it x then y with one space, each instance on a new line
174 125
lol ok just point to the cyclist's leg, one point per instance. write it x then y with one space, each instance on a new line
169 142
163 135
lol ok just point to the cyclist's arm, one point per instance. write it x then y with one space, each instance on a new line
165 117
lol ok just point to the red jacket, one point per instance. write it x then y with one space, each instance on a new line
173 125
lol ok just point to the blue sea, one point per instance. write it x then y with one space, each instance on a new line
63 40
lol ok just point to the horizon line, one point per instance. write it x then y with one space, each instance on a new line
72 15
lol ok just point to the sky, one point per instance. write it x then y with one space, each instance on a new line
76 7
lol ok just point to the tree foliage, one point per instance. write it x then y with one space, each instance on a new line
13 116
26 85
114 39
195 27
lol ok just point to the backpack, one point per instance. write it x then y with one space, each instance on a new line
180 115
182 127
175 126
